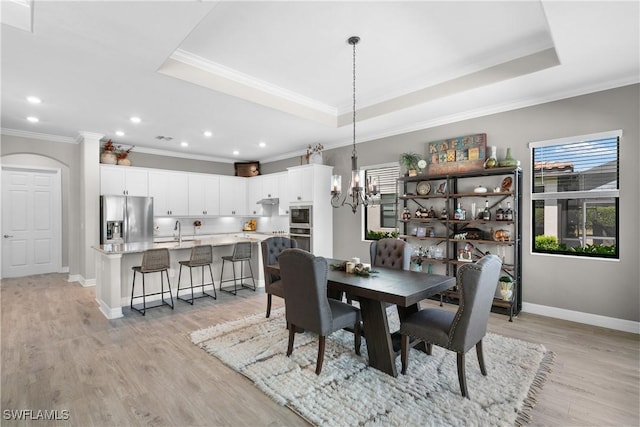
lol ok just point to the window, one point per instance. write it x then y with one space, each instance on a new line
575 195
380 218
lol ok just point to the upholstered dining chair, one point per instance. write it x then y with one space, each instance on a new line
304 278
271 250
457 331
390 253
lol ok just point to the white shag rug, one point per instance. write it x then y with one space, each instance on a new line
348 392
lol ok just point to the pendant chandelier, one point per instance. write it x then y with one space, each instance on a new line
358 193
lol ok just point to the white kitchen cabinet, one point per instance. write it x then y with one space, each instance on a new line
283 193
123 181
270 189
170 192
233 196
255 189
301 184
204 195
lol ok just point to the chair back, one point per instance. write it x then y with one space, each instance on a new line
304 278
477 285
242 250
271 250
155 260
390 253
201 255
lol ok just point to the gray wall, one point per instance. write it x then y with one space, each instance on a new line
602 287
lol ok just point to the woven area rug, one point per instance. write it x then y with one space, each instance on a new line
349 392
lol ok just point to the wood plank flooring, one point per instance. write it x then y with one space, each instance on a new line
59 353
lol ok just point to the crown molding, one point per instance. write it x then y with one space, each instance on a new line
181 155
250 81
36 135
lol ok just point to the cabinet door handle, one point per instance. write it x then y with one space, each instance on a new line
299 197
7 236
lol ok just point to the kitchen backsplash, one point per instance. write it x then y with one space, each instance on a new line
164 227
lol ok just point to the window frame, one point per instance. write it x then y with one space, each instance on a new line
584 196
365 219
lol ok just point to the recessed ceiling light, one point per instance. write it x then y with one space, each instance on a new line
184 144
262 144
208 133
135 119
119 133
33 119
236 152
34 99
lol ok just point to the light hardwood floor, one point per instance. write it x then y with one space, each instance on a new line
59 352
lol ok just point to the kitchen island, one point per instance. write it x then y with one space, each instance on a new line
114 275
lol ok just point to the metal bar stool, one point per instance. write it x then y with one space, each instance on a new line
201 256
153 261
241 253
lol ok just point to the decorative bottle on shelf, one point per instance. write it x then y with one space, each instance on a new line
492 160
486 213
444 214
458 213
508 214
500 213
509 161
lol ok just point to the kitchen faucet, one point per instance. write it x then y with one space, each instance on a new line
179 228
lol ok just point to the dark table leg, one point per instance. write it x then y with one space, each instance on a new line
376 328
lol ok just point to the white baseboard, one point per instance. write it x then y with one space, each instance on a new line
83 282
109 313
580 317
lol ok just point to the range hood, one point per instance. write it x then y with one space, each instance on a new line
271 202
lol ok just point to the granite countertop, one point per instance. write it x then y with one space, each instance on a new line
130 248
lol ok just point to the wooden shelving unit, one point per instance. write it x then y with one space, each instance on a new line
459 189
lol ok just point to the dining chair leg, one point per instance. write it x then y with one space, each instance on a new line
321 344
483 369
404 353
461 376
292 335
429 348
268 305
357 334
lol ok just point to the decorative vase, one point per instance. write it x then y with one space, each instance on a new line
109 158
417 267
506 294
315 158
508 162
492 160
124 162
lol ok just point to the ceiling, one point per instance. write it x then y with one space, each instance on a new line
280 73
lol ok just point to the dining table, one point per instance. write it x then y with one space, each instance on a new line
374 292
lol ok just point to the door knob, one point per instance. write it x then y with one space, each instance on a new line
6 236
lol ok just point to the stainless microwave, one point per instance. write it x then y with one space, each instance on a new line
300 216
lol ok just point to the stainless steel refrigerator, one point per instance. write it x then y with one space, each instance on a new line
126 219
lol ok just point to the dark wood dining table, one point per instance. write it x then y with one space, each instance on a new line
403 288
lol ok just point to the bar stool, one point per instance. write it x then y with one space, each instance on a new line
153 261
201 256
241 253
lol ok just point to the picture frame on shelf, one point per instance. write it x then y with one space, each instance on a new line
421 232
442 188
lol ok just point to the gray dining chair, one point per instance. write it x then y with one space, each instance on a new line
304 278
457 331
271 250
390 253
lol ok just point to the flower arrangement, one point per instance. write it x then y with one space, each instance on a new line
118 150
313 149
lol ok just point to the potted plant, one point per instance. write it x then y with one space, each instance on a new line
108 156
122 155
410 161
506 287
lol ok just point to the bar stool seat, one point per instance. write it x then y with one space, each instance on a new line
201 256
241 253
153 261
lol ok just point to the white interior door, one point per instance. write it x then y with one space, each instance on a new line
31 221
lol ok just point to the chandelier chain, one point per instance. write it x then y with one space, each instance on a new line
354 98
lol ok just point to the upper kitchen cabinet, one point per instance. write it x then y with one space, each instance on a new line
204 195
260 188
170 192
283 192
233 196
308 183
123 181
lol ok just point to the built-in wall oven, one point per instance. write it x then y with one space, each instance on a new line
303 236
301 226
